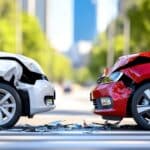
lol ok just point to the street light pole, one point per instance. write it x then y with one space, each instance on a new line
110 50
126 35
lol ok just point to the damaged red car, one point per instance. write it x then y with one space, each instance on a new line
124 90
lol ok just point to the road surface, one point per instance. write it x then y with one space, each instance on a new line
76 141
39 134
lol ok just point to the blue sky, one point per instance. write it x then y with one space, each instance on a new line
61 21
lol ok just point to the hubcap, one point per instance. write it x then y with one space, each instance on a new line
143 105
7 106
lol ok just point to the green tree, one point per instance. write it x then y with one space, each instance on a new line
98 56
62 68
139 16
7 25
99 53
82 75
34 42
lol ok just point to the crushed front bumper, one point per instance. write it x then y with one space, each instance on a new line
115 95
41 95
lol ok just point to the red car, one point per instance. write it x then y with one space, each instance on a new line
124 90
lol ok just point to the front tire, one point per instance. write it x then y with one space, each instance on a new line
10 106
140 106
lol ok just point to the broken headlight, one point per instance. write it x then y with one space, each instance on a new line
115 76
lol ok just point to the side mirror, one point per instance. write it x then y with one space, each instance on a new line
100 78
106 71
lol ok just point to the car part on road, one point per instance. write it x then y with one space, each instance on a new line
59 127
124 90
24 89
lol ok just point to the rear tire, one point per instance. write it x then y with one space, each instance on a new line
10 106
140 106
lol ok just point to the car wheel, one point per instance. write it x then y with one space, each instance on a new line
10 106
140 106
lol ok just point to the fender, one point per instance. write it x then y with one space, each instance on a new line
138 73
10 69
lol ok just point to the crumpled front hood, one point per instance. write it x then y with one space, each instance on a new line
124 60
28 62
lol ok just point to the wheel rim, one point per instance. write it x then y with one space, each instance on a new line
7 106
143 106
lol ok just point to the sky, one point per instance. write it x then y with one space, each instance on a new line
61 24
106 11
61 21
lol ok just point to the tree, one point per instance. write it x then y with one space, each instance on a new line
62 68
99 53
34 42
98 56
138 14
7 25
82 75
140 25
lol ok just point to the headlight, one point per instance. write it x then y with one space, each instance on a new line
115 76
105 101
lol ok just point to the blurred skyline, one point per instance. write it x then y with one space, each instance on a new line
59 22
62 21
85 18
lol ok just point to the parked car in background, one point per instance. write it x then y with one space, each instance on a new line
124 90
24 89
67 86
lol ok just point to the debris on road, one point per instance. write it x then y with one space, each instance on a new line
59 127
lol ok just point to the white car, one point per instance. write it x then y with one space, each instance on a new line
24 89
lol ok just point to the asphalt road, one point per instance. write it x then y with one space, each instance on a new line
103 140
73 108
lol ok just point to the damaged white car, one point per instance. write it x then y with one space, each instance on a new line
24 89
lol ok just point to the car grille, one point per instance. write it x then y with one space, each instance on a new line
97 104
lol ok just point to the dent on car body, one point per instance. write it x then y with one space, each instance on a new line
9 70
27 89
116 91
128 92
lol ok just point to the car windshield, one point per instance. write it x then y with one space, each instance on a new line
115 76
104 79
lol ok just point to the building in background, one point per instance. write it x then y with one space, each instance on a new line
124 5
73 25
84 20
40 9
85 30
28 6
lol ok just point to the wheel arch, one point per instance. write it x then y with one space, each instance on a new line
24 97
136 86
